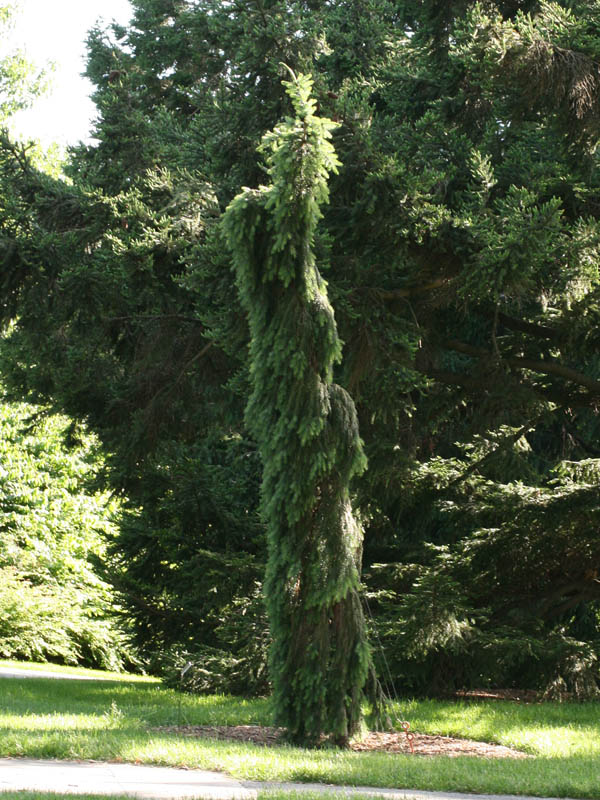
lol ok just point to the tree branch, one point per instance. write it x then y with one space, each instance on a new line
153 317
544 367
477 386
593 451
540 331
398 294
553 368
506 442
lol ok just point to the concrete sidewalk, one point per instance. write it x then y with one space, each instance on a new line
15 672
92 777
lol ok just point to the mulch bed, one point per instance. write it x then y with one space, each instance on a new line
514 695
423 744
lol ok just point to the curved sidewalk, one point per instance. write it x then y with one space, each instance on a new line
12 672
93 777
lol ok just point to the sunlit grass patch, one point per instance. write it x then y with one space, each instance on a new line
544 729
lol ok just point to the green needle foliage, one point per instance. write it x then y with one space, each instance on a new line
307 431
53 529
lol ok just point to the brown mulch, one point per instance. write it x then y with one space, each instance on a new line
423 744
515 695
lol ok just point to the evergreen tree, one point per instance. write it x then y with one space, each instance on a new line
493 164
307 432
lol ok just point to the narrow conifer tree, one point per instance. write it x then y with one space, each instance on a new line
306 427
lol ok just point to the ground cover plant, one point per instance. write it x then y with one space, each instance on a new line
50 718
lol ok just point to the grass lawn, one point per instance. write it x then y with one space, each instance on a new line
50 718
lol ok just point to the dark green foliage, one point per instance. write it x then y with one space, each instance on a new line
494 199
307 431
121 346
238 663
192 552
505 604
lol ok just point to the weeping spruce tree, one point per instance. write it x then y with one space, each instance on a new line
307 431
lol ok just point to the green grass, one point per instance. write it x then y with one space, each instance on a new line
50 718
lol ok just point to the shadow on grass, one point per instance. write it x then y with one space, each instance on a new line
150 702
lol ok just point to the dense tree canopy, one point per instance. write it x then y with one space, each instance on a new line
460 248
